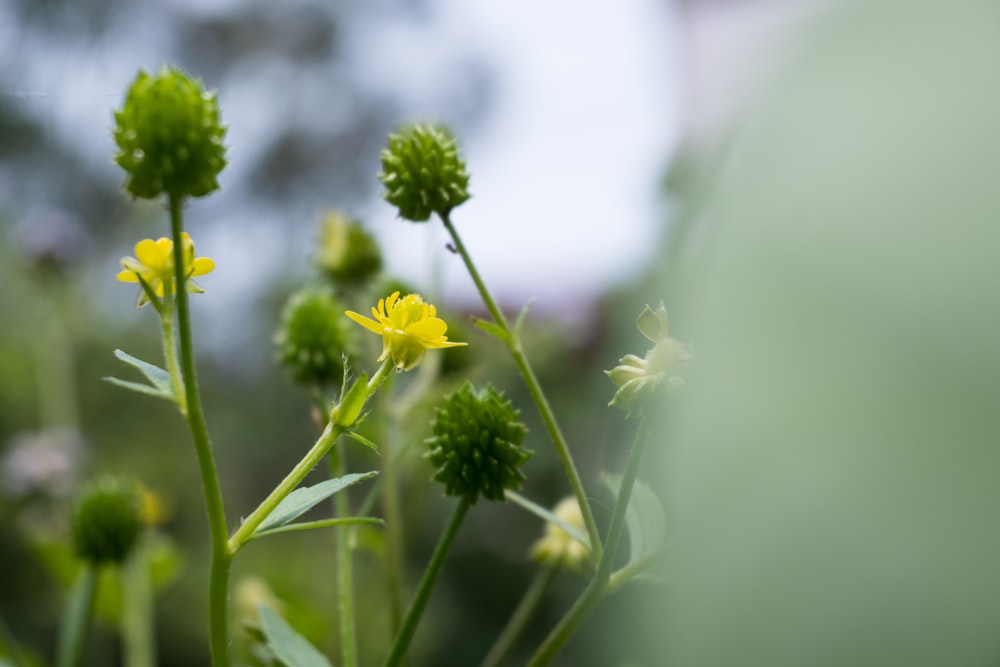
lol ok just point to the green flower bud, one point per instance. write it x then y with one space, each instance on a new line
106 521
422 173
312 338
169 136
638 379
347 253
476 446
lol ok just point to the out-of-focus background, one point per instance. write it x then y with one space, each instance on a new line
700 151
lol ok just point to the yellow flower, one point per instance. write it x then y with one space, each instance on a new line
408 326
154 263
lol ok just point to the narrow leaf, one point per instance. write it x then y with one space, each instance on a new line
159 377
363 440
141 388
548 516
301 500
322 523
291 648
644 518
521 317
491 328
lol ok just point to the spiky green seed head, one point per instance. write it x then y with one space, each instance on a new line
422 173
169 136
347 254
312 337
476 447
106 523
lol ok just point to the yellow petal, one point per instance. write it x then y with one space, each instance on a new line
202 265
442 343
149 253
428 329
371 325
127 277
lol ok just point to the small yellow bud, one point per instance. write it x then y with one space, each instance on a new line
556 546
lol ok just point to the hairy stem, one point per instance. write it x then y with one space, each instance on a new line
416 610
298 473
534 388
286 486
170 356
218 590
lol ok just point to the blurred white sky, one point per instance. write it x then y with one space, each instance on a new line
567 162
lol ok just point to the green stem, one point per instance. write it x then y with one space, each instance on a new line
218 589
617 526
394 538
137 610
345 567
599 585
170 357
416 610
76 622
298 473
522 614
534 388
286 486
568 625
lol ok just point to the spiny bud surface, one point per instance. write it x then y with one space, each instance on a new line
476 446
422 173
169 136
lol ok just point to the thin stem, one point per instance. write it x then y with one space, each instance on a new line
534 388
170 357
416 610
568 625
218 589
76 622
394 538
345 567
522 614
286 486
298 473
137 610
599 585
617 526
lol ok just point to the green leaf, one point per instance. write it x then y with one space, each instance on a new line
291 648
140 388
301 500
644 518
548 516
322 523
160 379
491 328
363 440
521 317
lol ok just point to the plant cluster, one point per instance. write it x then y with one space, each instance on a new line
171 145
